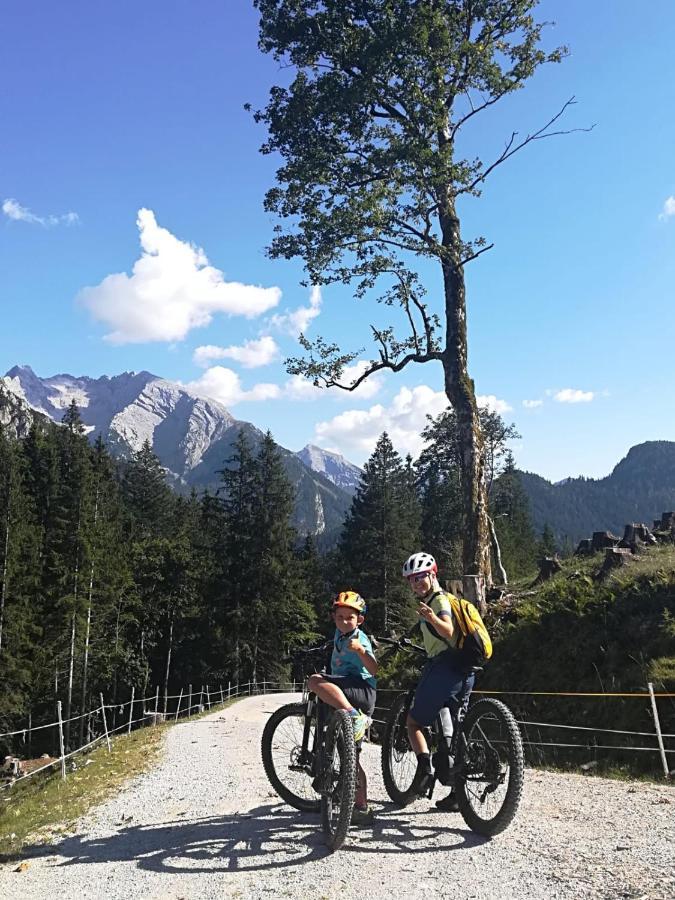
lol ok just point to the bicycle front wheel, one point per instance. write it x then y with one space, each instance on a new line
489 781
338 777
399 763
289 773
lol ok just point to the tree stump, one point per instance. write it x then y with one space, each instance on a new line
585 547
614 558
638 533
601 540
548 567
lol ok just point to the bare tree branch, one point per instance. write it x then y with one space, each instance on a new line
509 150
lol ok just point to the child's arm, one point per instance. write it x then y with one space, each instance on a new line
366 657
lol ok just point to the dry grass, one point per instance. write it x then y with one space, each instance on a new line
43 808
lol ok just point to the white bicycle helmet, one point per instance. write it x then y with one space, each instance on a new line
419 562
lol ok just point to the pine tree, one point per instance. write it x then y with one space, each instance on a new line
511 516
380 532
239 504
547 544
146 493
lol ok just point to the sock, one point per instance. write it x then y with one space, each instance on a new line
424 761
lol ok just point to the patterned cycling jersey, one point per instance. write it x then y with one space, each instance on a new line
347 662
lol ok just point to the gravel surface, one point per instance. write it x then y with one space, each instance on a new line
204 823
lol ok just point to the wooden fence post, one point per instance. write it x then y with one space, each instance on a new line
657 725
62 750
178 707
105 724
131 709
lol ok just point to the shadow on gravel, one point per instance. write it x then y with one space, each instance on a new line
267 837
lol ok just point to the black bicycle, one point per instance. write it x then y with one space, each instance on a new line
480 755
309 755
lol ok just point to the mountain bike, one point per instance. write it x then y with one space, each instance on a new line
309 755
479 753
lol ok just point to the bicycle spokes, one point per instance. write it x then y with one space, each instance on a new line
491 767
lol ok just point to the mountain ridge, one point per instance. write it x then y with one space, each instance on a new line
193 436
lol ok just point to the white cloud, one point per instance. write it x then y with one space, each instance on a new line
354 432
494 404
298 321
172 290
224 385
668 209
17 213
532 404
251 354
571 395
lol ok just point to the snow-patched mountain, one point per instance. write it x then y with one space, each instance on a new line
333 465
129 409
192 436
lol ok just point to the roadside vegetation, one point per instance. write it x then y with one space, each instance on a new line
45 808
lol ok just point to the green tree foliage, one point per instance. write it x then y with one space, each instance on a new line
381 531
369 130
439 478
511 515
110 581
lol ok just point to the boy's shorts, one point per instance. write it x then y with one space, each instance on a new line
359 693
444 680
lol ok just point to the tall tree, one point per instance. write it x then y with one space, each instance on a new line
371 175
239 504
511 513
439 478
380 532
147 493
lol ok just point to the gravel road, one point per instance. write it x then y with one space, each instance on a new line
204 823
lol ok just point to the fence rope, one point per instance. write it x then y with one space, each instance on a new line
218 698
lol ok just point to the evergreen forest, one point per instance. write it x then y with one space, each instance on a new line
110 581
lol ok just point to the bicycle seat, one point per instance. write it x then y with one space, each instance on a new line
477 669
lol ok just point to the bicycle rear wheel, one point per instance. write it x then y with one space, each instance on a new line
489 781
399 763
289 774
338 774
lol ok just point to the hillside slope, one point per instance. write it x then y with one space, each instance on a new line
640 487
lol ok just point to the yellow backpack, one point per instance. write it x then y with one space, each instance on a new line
475 641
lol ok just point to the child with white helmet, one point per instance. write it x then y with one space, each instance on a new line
446 677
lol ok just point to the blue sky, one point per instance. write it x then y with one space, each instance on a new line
112 109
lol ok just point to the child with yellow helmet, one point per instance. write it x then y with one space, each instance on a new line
351 684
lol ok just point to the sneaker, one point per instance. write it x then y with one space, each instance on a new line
360 722
422 781
448 804
363 816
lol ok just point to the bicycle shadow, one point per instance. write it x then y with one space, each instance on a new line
263 838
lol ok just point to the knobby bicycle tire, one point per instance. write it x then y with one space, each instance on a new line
292 786
398 760
339 778
489 782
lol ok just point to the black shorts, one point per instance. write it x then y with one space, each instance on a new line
359 693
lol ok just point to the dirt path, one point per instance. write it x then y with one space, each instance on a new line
206 824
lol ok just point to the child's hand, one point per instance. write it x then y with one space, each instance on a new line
354 645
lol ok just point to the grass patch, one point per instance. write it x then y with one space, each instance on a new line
41 809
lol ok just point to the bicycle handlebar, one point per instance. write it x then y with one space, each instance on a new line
402 643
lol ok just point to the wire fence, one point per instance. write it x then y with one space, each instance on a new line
138 712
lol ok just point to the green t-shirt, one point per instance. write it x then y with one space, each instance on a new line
433 644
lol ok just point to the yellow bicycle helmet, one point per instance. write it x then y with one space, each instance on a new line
352 600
